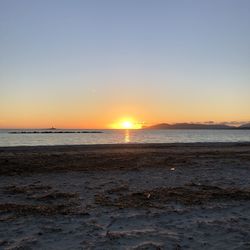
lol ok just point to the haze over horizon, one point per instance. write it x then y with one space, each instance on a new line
236 124
91 64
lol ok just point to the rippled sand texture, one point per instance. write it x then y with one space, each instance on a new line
162 196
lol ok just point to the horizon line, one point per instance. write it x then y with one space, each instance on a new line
232 124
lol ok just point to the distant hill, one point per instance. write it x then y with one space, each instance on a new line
190 126
245 126
159 126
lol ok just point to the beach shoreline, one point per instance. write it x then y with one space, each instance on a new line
125 196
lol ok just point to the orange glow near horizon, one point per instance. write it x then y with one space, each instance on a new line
111 116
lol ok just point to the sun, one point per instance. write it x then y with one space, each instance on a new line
127 125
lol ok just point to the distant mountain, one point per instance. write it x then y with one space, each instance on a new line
245 126
159 126
190 126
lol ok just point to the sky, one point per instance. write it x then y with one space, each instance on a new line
93 63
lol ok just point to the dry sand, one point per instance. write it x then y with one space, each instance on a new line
153 196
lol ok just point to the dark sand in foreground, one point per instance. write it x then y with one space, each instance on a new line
150 196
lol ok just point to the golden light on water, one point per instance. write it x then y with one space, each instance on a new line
127 136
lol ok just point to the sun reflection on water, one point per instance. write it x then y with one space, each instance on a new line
127 136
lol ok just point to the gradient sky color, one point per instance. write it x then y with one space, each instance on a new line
90 63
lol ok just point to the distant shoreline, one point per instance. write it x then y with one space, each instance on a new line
230 128
198 126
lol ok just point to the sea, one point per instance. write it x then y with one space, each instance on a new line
8 138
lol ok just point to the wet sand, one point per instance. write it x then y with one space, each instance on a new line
141 196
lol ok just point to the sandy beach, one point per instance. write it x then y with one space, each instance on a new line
130 196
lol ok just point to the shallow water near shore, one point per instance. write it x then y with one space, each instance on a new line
121 136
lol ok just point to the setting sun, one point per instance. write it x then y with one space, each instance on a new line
126 124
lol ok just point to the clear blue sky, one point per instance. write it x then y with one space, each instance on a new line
92 62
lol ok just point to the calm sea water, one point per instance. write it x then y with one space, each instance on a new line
125 136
